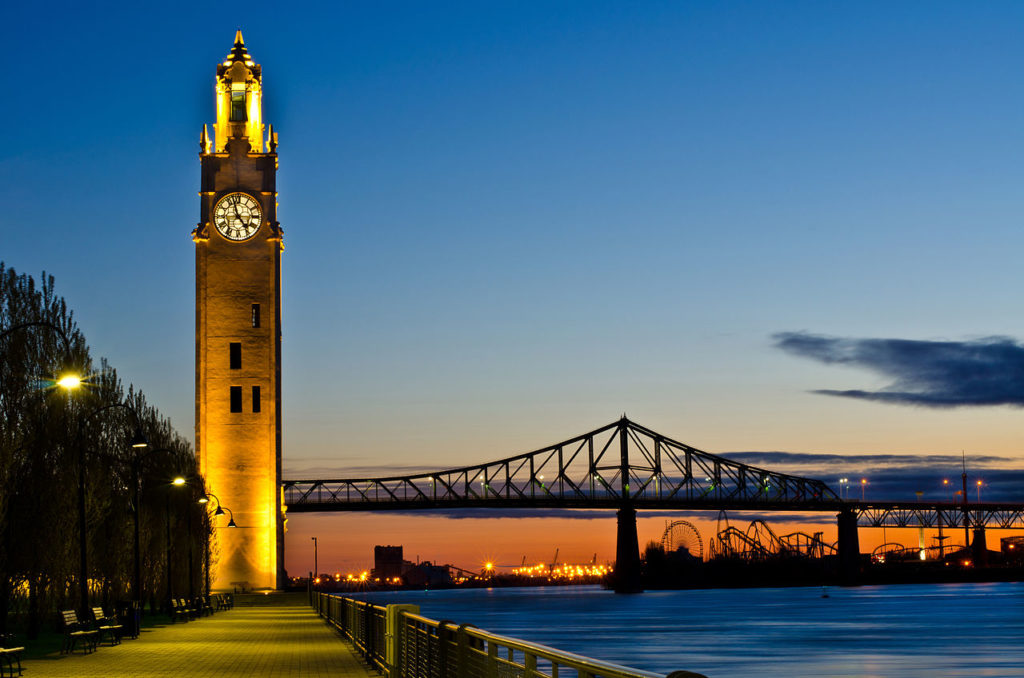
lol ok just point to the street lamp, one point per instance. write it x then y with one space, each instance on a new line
69 380
178 481
863 485
138 441
316 565
979 491
220 510
844 488
137 463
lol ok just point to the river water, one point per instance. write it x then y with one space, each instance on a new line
894 631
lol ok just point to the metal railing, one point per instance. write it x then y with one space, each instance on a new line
362 623
400 643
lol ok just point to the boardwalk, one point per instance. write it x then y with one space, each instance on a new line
284 639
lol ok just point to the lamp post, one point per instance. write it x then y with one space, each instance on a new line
138 441
177 482
205 499
137 463
316 565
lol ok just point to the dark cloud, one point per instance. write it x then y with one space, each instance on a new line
776 460
986 371
899 477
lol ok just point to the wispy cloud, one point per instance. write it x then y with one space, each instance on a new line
987 371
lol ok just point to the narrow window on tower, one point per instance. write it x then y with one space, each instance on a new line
255 315
235 355
255 398
238 105
236 398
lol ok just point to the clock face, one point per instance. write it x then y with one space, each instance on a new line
237 216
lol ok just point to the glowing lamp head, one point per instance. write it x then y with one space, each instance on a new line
179 481
488 566
204 499
69 381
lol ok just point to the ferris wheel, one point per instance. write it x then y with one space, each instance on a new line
680 534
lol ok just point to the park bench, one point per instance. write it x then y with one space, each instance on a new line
9 656
179 611
193 611
107 626
75 631
204 606
225 601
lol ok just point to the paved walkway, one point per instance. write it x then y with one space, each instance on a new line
275 640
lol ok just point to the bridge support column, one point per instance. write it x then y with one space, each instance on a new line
849 548
979 549
627 576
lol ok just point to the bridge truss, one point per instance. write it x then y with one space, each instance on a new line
622 463
945 514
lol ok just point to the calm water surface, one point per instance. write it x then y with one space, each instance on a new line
894 631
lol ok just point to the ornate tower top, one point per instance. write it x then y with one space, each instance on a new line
239 99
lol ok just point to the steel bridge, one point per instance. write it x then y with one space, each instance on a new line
940 514
620 462
626 467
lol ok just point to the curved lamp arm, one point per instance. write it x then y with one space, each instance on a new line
71 379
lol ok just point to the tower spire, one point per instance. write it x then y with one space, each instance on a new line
238 51
239 97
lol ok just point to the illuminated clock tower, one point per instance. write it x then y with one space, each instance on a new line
238 330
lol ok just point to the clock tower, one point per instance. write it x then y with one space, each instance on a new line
238 330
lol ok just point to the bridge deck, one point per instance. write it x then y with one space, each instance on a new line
284 639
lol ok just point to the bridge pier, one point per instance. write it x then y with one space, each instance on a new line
627 577
849 548
979 549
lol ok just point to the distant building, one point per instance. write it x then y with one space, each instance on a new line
427 574
387 562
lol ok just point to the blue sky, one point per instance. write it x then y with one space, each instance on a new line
508 223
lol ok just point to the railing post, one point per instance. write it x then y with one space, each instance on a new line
367 630
492 660
393 621
462 656
530 665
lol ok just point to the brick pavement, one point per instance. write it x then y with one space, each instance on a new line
276 640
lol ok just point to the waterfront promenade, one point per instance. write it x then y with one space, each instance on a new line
284 637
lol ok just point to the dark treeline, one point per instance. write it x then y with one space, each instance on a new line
45 431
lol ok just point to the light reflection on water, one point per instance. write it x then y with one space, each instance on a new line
892 631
